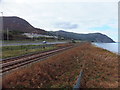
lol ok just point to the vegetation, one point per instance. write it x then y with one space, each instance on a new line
12 51
61 71
32 40
13 35
91 37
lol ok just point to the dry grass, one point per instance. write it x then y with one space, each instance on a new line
61 71
63 45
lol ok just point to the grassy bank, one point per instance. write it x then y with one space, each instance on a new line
12 51
62 70
33 41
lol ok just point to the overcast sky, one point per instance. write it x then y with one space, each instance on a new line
80 16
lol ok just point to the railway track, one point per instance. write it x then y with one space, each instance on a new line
13 63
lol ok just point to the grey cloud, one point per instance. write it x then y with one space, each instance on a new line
66 25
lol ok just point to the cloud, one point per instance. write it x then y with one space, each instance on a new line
66 25
0 0
82 17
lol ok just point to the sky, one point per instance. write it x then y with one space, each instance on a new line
79 16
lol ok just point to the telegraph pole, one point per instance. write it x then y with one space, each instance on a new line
1 37
1 26
56 36
7 34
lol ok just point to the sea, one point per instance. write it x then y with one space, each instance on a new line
113 47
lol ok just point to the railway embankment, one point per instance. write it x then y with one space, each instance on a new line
99 66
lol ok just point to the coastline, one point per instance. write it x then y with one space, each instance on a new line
116 52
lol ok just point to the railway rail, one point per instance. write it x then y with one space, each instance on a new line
13 63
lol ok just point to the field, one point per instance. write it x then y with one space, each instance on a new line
100 70
33 41
12 51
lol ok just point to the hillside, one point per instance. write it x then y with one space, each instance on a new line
16 26
92 37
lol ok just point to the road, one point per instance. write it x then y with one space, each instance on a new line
38 43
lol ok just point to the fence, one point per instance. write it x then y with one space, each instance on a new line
78 84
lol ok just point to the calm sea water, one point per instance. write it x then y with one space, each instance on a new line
113 47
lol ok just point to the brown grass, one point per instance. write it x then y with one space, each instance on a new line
62 70
63 45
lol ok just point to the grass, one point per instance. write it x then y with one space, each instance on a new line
62 70
12 51
29 41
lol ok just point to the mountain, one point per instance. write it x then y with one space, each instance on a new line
92 37
16 26
20 25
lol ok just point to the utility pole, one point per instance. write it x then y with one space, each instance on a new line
7 34
1 27
56 36
1 37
